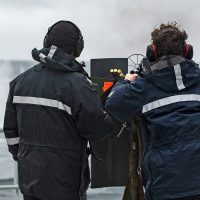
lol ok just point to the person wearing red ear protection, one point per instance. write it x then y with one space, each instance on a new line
167 99
152 55
168 40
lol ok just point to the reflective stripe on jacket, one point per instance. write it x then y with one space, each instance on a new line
168 100
51 113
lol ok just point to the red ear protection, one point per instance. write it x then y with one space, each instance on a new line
152 55
189 51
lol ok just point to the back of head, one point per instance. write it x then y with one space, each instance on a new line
169 39
66 35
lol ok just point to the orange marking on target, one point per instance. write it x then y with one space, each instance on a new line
106 86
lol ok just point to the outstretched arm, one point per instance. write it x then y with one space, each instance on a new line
126 100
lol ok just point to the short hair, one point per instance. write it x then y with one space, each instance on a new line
169 39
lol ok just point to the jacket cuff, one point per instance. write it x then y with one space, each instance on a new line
123 81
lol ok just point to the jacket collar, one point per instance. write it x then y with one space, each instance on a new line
55 58
166 61
174 73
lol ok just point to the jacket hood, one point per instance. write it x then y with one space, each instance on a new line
174 73
55 58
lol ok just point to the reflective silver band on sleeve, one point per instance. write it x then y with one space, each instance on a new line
42 102
143 189
170 100
52 51
12 141
110 94
179 78
89 80
50 54
42 57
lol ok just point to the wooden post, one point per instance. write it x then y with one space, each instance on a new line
133 190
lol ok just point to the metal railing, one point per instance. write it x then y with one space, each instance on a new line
13 186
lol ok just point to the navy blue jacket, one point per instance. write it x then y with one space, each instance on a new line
168 101
51 113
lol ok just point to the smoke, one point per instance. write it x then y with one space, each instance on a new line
133 22
114 28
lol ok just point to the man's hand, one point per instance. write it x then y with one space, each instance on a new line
131 77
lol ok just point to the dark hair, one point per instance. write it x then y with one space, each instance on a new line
169 39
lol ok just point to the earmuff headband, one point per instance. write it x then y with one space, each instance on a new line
79 43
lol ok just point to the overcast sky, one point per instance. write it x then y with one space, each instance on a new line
111 28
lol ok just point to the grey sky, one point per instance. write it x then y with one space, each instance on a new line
111 28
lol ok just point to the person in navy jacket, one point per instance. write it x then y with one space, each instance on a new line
167 98
52 113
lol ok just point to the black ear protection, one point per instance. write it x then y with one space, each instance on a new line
152 55
79 43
